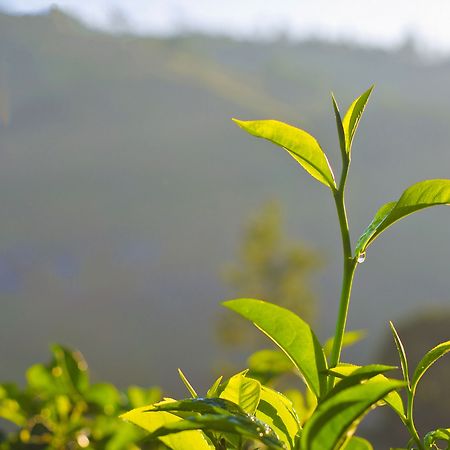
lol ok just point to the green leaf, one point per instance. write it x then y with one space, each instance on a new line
246 426
417 197
427 361
401 354
11 405
303 147
339 126
355 374
357 443
242 391
371 230
352 118
214 389
41 379
219 408
291 334
277 411
201 405
125 437
350 338
151 421
352 374
265 365
188 385
104 395
70 367
335 418
138 396
441 434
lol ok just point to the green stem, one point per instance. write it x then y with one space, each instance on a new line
349 266
347 281
410 420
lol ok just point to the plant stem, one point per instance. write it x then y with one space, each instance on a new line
347 280
410 420
349 266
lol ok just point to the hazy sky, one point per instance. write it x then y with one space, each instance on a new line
382 22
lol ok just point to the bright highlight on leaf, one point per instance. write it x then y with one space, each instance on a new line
417 197
303 147
291 334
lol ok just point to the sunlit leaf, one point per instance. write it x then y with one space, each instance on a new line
427 361
352 374
304 403
303 147
371 230
339 126
277 411
249 427
242 391
334 418
267 364
213 390
138 396
350 338
352 117
291 334
357 443
219 415
355 373
201 405
401 353
417 197
188 385
151 421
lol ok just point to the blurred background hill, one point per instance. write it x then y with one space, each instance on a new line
124 185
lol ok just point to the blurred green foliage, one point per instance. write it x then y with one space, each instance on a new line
269 265
60 409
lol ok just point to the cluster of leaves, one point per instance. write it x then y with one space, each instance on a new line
60 409
242 412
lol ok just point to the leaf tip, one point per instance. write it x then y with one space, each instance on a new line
369 91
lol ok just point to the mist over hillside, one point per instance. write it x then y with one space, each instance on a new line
124 184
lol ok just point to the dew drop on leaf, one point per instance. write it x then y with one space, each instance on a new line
361 257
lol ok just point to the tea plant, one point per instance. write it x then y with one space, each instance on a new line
60 409
241 411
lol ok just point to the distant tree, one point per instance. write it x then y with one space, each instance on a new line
270 267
